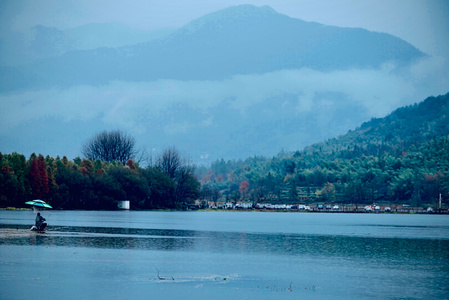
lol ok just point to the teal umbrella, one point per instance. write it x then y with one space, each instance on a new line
39 203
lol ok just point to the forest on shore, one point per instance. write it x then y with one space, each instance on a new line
400 159
86 184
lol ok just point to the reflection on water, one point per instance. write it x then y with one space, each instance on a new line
338 247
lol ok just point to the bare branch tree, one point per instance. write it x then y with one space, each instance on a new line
110 146
170 162
182 173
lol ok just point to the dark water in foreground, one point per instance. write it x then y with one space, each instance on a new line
224 255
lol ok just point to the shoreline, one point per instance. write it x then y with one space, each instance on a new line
323 211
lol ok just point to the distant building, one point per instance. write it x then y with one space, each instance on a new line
124 204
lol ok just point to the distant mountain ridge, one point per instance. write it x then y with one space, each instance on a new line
239 40
41 42
229 17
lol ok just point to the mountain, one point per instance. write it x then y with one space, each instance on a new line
111 35
238 82
404 127
402 158
42 42
238 40
38 42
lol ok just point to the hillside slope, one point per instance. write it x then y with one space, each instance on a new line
400 159
406 126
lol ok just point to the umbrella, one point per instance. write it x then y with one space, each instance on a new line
39 203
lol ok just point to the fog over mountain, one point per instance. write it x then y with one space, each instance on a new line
40 42
242 81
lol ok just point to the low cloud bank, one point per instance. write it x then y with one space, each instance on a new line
180 107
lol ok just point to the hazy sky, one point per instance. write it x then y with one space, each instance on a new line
423 23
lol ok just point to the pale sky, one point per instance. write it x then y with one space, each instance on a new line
423 23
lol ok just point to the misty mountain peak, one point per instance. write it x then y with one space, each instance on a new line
238 40
243 11
232 15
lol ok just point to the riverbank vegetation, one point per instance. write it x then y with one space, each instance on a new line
87 184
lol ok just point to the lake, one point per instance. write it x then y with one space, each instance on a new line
224 255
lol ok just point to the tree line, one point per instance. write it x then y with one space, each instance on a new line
88 183
415 177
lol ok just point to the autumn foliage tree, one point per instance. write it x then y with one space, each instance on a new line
130 164
327 193
243 188
86 184
39 177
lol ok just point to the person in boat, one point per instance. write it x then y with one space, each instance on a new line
40 222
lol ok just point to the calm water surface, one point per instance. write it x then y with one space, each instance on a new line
224 255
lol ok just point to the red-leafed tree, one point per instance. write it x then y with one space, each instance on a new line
84 171
130 164
243 188
39 177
